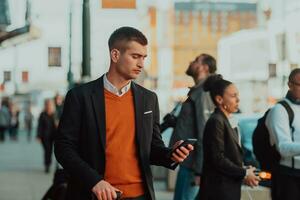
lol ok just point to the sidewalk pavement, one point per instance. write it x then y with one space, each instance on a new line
22 174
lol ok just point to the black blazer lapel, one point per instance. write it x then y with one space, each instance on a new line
138 107
230 130
234 134
98 101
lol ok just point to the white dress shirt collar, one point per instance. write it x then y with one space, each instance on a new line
111 88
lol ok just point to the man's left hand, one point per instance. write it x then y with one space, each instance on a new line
180 154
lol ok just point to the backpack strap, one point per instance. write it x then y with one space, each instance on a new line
291 119
290 113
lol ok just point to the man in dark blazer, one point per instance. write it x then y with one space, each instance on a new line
109 130
190 124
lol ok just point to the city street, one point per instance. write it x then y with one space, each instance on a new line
22 175
21 171
109 71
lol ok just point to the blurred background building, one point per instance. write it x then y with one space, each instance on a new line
260 59
47 45
41 59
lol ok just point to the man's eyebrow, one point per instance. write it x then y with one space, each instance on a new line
138 54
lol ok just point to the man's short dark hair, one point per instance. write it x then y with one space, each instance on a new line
121 36
210 61
293 73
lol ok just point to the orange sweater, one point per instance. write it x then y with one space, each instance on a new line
122 166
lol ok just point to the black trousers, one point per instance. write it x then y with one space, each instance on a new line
285 186
2 133
29 133
48 148
13 133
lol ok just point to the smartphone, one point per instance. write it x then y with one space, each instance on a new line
263 175
119 194
185 143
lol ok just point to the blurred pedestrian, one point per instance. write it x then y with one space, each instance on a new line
46 131
28 120
58 189
14 121
58 101
223 170
190 124
109 130
4 118
286 136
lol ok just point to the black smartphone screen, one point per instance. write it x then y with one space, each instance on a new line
186 142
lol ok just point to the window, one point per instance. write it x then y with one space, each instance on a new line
205 17
272 70
7 76
214 22
224 22
2 87
281 46
25 76
54 56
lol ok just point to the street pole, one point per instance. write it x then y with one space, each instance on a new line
15 70
70 77
86 40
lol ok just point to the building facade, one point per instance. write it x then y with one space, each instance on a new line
40 59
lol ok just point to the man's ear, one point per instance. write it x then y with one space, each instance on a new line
115 55
290 85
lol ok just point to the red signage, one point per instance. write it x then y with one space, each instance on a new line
123 4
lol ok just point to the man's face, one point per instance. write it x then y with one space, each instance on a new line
131 61
196 69
49 107
193 68
58 100
294 86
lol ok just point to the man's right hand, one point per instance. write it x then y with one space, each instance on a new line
105 191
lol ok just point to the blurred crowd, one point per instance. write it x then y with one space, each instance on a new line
46 122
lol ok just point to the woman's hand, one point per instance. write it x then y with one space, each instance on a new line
251 179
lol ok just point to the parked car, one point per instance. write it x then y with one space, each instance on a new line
247 124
